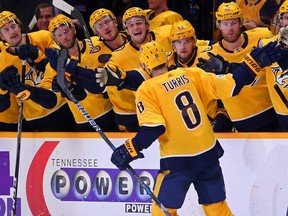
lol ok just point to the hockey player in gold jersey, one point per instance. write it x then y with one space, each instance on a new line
171 108
159 14
253 104
42 108
84 56
184 43
126 58
258 13
277 76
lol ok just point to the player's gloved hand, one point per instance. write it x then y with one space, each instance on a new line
216 64
283 32
222 121
26 51
125 153
261 57
77 91
11 80
53 54
110 75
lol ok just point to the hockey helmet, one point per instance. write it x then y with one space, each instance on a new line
99 14
152 54
133 12
228 11
182 29
6 17
57 21
284 7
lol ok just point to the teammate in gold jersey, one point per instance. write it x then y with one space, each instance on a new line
253 104
277 76
159 14
127 58
185 45
43 109
185 54
98 106
171 107
258 13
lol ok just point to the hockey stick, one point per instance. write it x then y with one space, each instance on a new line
32 23
61 64
19 131
64 6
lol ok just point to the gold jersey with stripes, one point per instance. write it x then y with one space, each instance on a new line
164 18
33 77
177 100
127 58
277 81
95 104
254 99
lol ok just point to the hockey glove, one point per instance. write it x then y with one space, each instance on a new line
30 52
125 153
52 55
110 76
216 64
222 121
264 56
76 90
11 80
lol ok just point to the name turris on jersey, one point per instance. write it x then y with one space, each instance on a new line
175 83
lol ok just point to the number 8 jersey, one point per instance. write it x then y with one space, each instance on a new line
178 100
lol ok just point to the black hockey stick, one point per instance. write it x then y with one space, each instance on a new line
19 132
61 65
64 6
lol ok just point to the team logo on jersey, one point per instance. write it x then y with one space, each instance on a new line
95 49
281 77
34 77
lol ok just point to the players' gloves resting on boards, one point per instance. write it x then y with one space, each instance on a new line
110 75
10 80
126 153
216 64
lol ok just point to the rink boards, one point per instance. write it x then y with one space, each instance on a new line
71 174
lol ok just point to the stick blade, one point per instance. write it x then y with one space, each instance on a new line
64 6
61 67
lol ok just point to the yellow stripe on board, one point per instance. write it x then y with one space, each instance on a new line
271 135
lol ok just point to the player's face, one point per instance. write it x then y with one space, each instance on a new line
184 48
11 33
65 36
154 4
46 14
106 28
137 29
230 29
284 20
